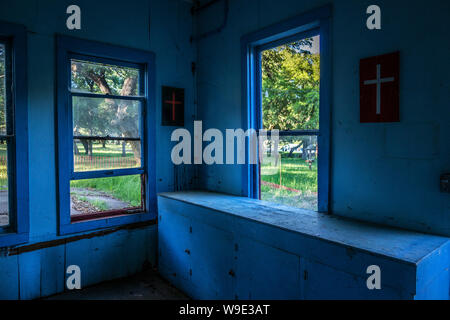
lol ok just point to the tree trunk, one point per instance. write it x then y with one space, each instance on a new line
305 151
136 147
124 150
76 151
85 145
90 148
295 148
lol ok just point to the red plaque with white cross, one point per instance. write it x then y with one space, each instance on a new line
379 83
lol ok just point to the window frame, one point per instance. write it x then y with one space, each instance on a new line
18 230
74 48
315 22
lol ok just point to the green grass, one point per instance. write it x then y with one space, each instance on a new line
3 169
110 150
109 157
3 177
98 204
124 188
293 173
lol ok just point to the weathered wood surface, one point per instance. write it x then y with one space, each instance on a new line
395 243
216 246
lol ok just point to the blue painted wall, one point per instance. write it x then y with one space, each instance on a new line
386 173
162 26
380 172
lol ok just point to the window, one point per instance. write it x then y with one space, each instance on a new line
290 80
286 86
13 136
5 133
106 135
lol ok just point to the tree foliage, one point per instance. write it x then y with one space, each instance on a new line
290 87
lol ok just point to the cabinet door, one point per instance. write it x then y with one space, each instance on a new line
173 243
265 272
324 282
212 257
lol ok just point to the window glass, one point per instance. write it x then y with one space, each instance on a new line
290 102
4 181
2 90
290 86
91 155
105 117
102 195
100 78
292 179
106 136
106 133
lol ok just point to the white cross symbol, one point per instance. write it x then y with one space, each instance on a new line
378 81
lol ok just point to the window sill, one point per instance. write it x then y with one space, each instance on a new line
105 214
105 222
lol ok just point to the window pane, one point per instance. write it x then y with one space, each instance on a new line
104 79
4 196
292 180
2 89
290 86
91 155
106 117
103 195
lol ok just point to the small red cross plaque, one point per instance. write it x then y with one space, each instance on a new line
172 106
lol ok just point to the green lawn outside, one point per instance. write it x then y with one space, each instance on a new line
108 157
110 150
295 174
124 188
3 169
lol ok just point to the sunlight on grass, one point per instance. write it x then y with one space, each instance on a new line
3 167
110 150
293 184
295 174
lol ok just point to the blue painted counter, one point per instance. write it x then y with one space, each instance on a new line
216 246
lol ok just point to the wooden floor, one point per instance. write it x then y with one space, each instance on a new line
147 285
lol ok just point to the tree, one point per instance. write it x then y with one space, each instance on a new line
106 117
290 89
